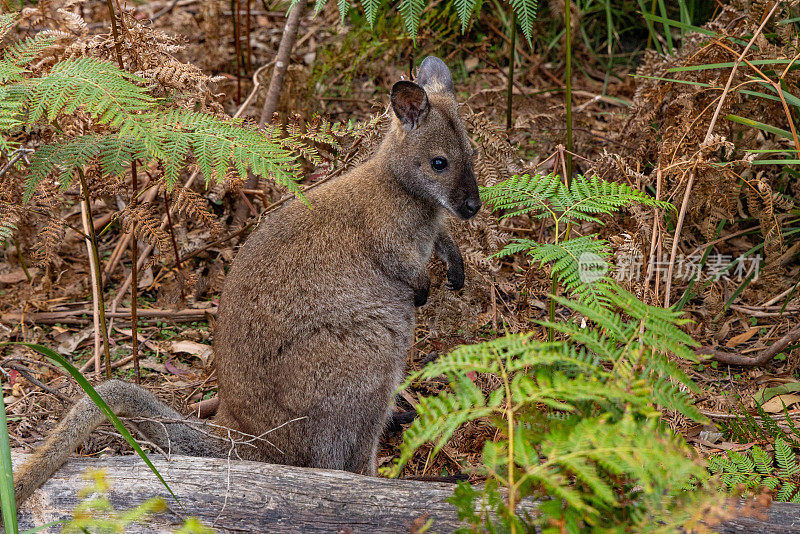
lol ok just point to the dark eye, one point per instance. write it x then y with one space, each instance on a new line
439 164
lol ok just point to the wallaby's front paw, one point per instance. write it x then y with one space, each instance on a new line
455 277
422 291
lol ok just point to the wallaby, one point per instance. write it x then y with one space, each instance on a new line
316 317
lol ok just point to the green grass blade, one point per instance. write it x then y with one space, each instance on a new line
687 82
667 23
760 125
8 502
651 28
42 527
729 64
59 360
776 162
678 24
771 150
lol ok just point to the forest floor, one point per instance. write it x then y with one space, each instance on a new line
345 75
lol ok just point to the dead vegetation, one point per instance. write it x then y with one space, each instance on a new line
671 128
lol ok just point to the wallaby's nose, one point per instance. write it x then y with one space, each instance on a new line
470 207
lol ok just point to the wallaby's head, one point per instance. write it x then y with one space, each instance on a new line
431 150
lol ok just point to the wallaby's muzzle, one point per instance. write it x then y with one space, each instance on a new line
469 208
467 200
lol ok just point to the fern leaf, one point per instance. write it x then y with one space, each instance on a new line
19 54
587 197
464 8
371 10
522 195
97 87
344 8
579 264
411 11
526 15
787 462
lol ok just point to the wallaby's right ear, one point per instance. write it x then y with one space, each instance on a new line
410 103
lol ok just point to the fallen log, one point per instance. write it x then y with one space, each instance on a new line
240 496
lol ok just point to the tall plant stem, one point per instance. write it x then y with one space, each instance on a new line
511 60
237 44
568 88
115 33
554 286
134 278
174 246
512 490
101 307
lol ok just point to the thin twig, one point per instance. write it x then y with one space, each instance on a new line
24 371
164 11
134 278
675 240
174 246
17 155
115 33
96 276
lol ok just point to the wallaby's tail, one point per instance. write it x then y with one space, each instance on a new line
125 400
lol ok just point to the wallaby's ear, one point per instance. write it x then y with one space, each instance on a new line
434 75
410 103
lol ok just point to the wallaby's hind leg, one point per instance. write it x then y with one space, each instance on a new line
345 434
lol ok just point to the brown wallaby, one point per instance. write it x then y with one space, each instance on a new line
317 314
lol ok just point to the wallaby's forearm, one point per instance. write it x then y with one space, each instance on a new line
125 400
447 251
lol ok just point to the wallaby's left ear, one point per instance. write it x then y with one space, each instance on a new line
434 75
410 103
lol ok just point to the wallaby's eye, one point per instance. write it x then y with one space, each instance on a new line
439 164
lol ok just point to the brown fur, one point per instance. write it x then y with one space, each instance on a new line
317 315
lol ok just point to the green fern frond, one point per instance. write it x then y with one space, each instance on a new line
411 10
520 195
19 54
344 8
583 200
7 22
371 10
464 8
787 461
440 416
99 88
580 265
587 197
762 459
7 229
526 15
515 246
